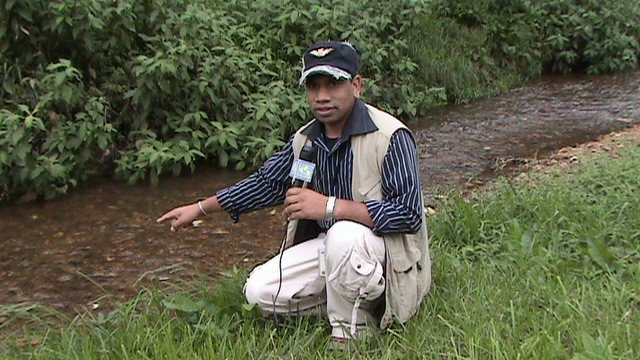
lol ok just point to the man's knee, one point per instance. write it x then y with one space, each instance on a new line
355 260
255 289
343 235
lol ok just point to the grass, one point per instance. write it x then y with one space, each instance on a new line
543 270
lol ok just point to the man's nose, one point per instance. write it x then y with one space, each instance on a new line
323 94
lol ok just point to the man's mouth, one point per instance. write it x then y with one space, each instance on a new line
325 111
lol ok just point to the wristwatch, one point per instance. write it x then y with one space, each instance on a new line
331 206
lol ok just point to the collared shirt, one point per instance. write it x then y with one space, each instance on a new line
401 207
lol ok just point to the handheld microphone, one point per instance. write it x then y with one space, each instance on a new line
303 168
301 175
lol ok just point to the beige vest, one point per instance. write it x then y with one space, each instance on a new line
408 266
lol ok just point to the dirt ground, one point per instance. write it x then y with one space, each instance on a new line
564 158
609 144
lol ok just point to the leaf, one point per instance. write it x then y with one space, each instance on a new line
25 13
223 157
527 242
195 152
260 113
154 156
4 157
593 349
17 135
187 158
182 303
600 253
164 85
56 171
59 79
248 309
154 174
36 172
176 168
294 16
9 4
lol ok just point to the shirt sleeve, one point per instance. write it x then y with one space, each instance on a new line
265 187
401 209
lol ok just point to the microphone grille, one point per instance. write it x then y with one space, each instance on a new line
308 153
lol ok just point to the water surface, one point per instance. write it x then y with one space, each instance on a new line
100 243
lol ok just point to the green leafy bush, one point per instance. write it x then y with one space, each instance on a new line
596 36
508 33
557 35
47 147
147 88
183 82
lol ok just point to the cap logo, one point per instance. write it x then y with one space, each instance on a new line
321 52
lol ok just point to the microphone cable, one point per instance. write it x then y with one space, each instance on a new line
307 155
281 252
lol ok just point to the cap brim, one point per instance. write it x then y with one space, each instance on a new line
337 73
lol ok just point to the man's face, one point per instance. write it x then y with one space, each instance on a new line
331 100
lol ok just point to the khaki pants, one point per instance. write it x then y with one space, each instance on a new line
342 269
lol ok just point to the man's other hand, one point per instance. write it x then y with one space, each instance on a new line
301 203
181 216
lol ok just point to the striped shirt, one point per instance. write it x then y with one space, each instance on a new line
400 211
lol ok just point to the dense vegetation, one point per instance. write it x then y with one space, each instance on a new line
544 270
144 88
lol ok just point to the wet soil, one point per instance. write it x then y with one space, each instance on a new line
100 244
609 144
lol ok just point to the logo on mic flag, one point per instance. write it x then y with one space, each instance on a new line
302 170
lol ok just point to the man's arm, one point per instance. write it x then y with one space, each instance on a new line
308 204
266 187
185 214
401 209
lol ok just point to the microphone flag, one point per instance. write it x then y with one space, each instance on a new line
303 167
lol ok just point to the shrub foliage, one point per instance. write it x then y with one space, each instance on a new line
146 88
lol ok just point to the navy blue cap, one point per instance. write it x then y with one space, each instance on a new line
335 58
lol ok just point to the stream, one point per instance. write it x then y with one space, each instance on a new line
100 244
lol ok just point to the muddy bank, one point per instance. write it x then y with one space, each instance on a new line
100 243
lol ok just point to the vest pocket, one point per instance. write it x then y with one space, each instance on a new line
405 302
355 273
403 250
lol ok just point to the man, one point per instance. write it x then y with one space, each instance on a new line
357 239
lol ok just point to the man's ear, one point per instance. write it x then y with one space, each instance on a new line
357 86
